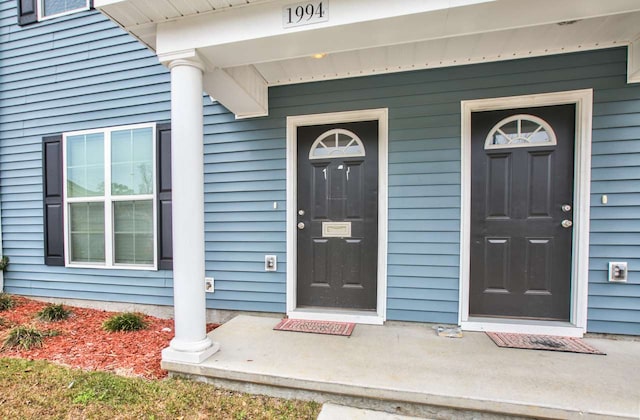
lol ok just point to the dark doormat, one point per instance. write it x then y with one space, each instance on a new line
542 342
317 327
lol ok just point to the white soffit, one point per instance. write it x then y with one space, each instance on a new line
588 34
386 37
362 37
141 17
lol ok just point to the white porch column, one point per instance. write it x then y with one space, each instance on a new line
191 344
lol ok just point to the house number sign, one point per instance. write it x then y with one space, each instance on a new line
305 13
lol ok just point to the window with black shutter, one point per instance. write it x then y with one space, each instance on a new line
107 197
30 11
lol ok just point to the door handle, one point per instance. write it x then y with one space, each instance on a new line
566 223
300 225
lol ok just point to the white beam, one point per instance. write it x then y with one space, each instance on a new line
254 34
241 89
633 61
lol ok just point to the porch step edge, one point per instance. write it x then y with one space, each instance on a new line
384 399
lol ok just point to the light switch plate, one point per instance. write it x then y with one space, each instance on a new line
618 271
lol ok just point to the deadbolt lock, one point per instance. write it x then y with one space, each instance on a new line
566 208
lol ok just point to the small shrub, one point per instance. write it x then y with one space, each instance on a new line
127 321
6 302
53 333
4 323
4 262
25 337
53 313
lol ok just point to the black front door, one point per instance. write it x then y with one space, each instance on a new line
521 212
337 215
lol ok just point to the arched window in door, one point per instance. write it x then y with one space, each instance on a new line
520 130
336 143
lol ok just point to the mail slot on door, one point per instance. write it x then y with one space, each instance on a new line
336 229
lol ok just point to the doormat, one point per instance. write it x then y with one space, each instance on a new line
542 342
317 327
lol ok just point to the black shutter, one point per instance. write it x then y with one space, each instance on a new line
27 12
165 238
53 207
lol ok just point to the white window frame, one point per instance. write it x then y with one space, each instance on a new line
108 199
40 9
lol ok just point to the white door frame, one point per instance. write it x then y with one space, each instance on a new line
293 122
577 325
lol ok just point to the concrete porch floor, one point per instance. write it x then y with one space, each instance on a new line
407 369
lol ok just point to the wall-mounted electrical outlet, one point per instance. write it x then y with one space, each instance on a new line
270 263
618 271
208 284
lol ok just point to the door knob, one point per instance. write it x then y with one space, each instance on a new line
300 225
566 223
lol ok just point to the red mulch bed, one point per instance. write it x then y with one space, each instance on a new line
83 343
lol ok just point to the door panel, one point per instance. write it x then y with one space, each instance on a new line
335 271
520 253
539 265
540 184
320 205
496 264
355 190
498 190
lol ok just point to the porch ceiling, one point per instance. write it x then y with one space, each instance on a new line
600 32
243 42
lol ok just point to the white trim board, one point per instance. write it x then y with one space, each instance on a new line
583 99
293 122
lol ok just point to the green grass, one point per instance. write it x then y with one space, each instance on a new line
53 313
32 389
6 302
127 321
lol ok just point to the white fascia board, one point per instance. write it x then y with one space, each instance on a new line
254 34
633 61
265 20
102 3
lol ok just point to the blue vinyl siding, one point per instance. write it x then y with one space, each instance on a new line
424 179
81 72
71 73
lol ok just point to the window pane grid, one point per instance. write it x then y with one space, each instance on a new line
133 232
85 165
520 130
55 7
336 143
125 236
86 229
131 162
